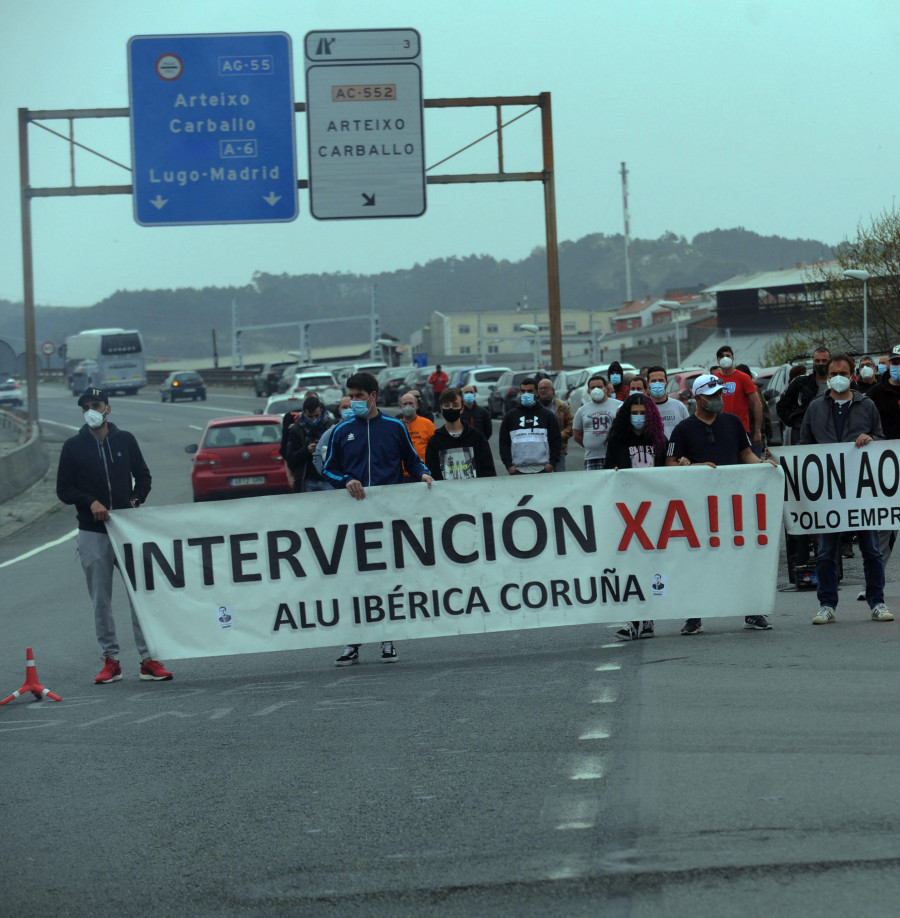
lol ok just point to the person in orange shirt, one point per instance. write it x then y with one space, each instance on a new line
740 396
420 429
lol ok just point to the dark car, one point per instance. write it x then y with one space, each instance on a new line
390 383
266 381
417 378
184 384
10 394
506 391
239 457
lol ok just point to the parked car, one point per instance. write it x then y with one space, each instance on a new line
322 383
266 381
578 392
11 394
775 387
390 381
565 383
484 379
342 374
289 373
417 378
238 457
281 405
183 384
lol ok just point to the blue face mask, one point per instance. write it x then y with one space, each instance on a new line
469 398
881 369
527 399
638 421
615 379
347 414
360 409
657 389
895 372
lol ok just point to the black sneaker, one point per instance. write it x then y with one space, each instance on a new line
628 633
757 623
647 629
693 626
349 656
388 652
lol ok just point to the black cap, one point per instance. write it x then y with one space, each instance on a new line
92 392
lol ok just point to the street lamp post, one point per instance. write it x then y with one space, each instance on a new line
536 331
675 308
863 276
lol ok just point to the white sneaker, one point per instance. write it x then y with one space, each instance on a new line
880 613
825 616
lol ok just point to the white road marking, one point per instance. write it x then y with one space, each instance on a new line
40 548
598 733
607 696
607 668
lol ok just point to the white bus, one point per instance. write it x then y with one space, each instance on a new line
111 358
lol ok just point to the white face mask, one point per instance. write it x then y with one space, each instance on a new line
839 384
867 372
598 395
94 418
726 363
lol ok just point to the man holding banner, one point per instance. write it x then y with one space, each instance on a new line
711 437
844 416
372 449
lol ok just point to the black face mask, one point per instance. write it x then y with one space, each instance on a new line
451 414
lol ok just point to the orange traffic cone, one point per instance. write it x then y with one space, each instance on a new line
31 683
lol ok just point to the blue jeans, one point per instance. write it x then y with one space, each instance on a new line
826 567
561 465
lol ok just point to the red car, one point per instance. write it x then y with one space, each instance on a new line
239 457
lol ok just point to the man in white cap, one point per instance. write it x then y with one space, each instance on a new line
711 437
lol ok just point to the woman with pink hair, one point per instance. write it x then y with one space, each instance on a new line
636 437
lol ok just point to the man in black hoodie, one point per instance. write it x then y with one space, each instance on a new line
101 469
530 439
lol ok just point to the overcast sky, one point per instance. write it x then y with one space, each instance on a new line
775 115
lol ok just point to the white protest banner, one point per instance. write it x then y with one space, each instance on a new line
836 487
495 554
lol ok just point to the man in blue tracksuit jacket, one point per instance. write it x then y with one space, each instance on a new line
372 449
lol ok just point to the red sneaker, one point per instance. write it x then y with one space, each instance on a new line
111 672
154 670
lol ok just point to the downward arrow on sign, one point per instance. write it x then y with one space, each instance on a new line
369 199
272 198
159 202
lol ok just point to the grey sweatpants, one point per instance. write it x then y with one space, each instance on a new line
98 562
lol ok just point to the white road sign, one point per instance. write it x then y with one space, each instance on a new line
365 123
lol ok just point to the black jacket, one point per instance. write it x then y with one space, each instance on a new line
479 418
887 401
112 472
796 399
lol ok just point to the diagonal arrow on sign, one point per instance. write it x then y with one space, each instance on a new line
369 200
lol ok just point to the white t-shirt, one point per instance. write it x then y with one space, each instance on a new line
672 411
594 421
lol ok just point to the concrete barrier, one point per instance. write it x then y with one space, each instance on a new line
23 458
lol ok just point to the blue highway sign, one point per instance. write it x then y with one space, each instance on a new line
212 128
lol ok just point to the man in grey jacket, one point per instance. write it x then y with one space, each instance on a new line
844 416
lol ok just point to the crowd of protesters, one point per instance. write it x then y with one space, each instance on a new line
629 421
